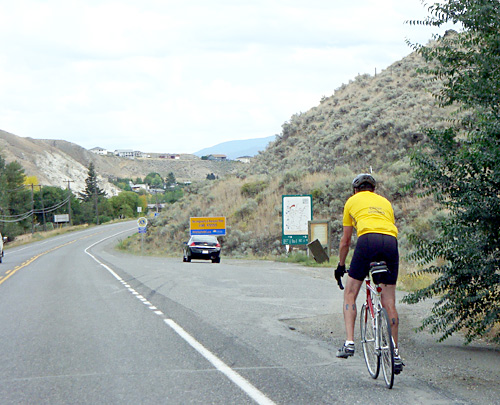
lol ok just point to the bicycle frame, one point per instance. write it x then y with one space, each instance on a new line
372 302
376 337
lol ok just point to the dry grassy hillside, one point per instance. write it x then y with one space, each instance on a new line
55 162
370 123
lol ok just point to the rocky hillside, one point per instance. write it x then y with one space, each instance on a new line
55 162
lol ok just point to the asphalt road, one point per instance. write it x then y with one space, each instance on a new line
83 323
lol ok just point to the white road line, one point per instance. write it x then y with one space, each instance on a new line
236 378
240 381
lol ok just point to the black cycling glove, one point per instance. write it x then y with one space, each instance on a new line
339 272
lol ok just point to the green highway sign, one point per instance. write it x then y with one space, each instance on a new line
297 211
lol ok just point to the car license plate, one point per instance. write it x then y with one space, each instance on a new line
205 252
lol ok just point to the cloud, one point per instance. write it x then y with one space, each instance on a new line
179 76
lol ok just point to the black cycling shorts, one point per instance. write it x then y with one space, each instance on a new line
375 247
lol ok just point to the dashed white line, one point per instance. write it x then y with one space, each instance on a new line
236 378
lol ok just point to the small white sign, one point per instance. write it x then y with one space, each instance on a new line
61 218
139 209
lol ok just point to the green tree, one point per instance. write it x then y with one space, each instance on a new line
170 180
122 183
125 204
16 200
93 195
92 189
460 167
49 201
154 180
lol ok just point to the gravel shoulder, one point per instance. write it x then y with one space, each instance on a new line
467 373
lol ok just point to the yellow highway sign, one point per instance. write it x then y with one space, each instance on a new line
208 225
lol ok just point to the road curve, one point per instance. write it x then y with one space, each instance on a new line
84 323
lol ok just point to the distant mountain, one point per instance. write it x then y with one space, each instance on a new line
235 149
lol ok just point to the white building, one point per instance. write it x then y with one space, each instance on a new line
127 153
99 151
244 159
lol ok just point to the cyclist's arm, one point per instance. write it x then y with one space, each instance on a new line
345 242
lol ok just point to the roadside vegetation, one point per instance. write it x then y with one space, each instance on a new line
460 166
29 208
427 127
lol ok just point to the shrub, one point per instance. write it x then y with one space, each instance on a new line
251 189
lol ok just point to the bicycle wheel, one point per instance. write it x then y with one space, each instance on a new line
386 348
367 324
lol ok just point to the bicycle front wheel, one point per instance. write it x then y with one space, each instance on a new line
367 323
386 348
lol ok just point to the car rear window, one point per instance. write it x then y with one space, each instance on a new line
209 239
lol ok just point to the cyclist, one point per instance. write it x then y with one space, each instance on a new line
373 218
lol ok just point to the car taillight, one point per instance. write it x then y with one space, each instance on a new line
192 244
218 245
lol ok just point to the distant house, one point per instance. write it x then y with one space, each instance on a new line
168 156
244 159
138 187
127 153
156 207
217 157
99 151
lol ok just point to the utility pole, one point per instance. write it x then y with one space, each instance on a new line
69 203
96 205
32 211
43 208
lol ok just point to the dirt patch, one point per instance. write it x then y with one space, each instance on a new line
471 372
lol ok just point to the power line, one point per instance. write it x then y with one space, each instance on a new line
28 214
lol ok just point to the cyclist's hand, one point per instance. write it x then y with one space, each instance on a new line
339 272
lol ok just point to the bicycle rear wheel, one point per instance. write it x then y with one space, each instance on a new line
386 348
367 324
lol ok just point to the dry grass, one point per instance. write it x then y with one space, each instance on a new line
40 235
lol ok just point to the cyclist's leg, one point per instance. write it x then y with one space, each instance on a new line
350 294
388 299
389 249
360 265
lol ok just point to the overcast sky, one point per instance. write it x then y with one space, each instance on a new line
179 76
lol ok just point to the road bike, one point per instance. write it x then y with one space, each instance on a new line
376 336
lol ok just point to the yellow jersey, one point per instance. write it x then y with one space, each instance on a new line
368 212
